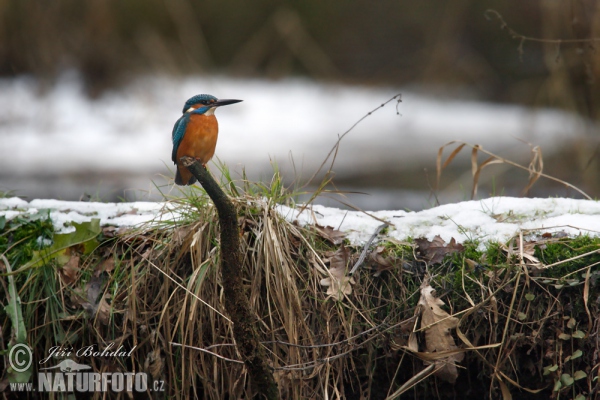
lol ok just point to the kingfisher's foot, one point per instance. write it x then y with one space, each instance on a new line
200 161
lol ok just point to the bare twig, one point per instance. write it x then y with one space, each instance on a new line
207 352
333 152
335 147
523 38
363 254
375 328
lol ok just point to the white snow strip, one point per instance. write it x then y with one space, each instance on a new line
495 219
64 213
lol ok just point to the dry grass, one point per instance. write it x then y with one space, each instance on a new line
308 337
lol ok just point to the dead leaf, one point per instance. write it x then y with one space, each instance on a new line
133 211
106 265
434 251
109 231
103 310
181 234
407 332
528 252
381 263
338 283
330 234
69 271
413 343
153 364
504 389
96 307
437 325
148 254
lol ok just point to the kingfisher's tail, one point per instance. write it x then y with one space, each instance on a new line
185 178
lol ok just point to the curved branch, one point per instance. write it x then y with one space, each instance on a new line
236 301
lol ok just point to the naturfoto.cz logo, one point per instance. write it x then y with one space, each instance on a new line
70 376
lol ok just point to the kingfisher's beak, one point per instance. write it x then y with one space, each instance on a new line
224 102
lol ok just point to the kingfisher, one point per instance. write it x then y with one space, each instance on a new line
195 133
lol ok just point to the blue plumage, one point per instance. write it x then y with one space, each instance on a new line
178 132
199 98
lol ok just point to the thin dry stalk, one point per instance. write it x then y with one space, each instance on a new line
535 166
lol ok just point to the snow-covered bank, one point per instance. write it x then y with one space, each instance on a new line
494 219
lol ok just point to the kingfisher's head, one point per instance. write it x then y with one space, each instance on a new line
205 104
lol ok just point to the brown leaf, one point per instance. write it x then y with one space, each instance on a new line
437 325
473 265
181 234
93 289
103 310
407 327
109 231
106 265
330 234
148 254
69 271
133 211
413 343
435 251
95 306
338 283
528 252
381 263
154 364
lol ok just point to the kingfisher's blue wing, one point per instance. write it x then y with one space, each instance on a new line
177 135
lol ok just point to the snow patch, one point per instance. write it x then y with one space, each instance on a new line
496 219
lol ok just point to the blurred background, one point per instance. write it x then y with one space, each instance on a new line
89 93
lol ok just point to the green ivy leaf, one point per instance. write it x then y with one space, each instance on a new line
567 379
550 368
578 334
576 354
579 375
529 296
557 386
564 336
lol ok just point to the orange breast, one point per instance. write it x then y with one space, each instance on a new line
199 141
200 138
